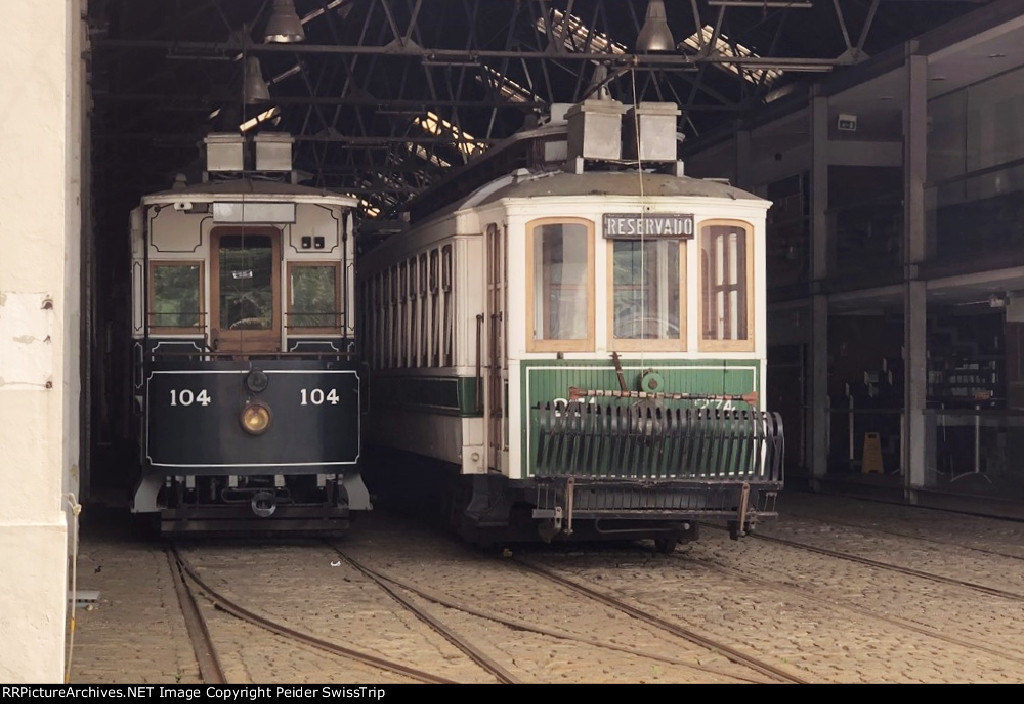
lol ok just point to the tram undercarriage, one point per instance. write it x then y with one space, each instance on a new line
253 505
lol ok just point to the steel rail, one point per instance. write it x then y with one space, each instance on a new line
733 654
478 656
255 619
520 625
198 632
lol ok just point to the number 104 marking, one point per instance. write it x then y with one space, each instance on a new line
186 397
318 396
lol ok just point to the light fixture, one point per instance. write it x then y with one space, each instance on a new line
255 418
655 34
284 25
256 90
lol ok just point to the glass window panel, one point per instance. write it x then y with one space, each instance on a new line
561 273
314 296
176 296
724 282
645 296
246 295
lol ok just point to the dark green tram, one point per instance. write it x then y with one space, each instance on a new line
247 387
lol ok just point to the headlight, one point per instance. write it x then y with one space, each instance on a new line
255 417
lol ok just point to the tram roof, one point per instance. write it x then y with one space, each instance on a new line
248 188
611 183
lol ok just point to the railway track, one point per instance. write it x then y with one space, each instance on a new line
478 656
735 655
830 600
195 624
391 584
203 644
902 569
909 536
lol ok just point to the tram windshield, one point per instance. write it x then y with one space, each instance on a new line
246 294
561 282
646 290
246 315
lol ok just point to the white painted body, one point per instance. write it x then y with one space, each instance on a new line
510 206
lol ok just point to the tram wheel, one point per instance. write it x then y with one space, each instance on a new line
666 546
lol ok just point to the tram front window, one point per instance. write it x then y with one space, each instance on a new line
646 290
726 308
246 293
176 296
562 281
246 283
313 298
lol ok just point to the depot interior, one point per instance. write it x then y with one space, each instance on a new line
888 135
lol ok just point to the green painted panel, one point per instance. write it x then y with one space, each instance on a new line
547 381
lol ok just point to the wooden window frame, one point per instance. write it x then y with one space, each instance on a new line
651 344
447 356
197 330
587 344
414 312
736 345
291 328
248 341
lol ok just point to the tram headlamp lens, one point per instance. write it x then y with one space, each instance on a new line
255 418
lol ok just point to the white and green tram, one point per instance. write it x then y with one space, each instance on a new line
578 347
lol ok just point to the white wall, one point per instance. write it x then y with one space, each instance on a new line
40 143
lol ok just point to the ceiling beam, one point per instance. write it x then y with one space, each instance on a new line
664 61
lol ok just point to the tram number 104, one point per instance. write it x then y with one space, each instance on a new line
186 397
316 397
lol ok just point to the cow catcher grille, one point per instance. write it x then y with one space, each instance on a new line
646 461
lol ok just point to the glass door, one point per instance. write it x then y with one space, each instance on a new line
245 290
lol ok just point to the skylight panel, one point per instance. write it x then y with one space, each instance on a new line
421 151
724 47
437 126
576 34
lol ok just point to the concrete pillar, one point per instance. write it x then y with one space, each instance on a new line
915 358
40 139
818 422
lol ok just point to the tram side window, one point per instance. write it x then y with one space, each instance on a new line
647 292
561 305
395 321
367 313
448 328
380 320
403 317
424 329
176 296
435 318
313 297
726 280
414 316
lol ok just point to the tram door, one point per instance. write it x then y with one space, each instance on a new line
496 388
245 282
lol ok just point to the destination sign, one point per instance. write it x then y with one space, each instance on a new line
654 225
